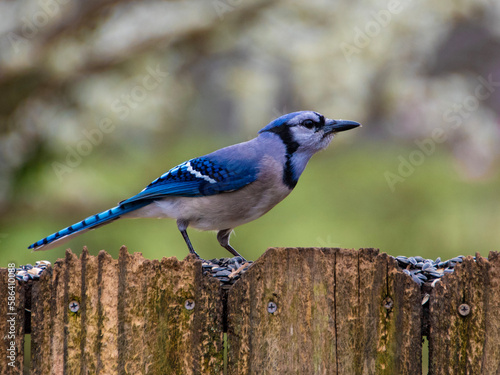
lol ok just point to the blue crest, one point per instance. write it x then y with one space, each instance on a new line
280 121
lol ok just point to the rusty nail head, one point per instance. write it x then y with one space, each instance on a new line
388 303
189 304
74 306
464 309
271 307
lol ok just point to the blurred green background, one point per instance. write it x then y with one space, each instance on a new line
100 98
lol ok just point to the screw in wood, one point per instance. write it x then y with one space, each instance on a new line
74 306
189 304
271 307
388 303
464 309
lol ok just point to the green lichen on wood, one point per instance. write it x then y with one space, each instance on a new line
466 344
158 334
170 320
384 363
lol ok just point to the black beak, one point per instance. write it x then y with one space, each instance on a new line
335 126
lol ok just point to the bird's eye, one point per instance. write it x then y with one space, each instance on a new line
309 124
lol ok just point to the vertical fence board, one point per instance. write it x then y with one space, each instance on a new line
330 316
131 318
73 320
107 314
490 363
467 344
403 322
11 325
371 275
347 309
89 341
42 321
59 308
299 337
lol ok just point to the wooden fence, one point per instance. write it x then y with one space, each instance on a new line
295 311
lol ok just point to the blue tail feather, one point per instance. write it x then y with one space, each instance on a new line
89 223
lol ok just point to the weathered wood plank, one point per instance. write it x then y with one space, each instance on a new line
131 317
12 315
461 343
106 346
42 321
330 316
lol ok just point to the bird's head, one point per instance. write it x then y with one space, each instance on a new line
307 131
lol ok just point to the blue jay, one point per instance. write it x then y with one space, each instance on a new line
227 188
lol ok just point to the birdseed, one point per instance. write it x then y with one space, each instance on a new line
427 270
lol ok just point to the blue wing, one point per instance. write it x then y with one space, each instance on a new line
199 177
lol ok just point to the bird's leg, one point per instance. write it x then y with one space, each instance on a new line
182 225
223 238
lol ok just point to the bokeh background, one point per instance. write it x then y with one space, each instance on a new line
98 98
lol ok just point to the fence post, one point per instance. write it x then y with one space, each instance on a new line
464 332
98 315
297 310
324 311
